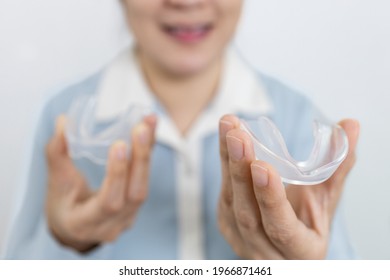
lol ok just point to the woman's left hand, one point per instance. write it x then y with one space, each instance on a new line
259 217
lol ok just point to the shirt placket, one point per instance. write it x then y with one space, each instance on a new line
189 200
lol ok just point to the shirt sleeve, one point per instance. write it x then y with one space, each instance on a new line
30 237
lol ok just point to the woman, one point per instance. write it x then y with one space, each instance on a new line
170 198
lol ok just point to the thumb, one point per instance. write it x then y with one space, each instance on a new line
336 182
64 179
352 129
56 149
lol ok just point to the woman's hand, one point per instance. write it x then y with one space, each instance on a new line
82 219
259 217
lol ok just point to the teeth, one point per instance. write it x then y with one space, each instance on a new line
200 28
195 29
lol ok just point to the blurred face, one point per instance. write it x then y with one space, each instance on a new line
182 36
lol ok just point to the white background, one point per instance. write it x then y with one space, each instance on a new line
336 52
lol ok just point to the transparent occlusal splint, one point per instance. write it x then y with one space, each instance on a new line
91 138
329 150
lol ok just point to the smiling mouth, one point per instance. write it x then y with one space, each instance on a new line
188 33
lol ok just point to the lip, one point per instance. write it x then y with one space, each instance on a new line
188 33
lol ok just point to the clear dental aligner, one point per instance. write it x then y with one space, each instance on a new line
329 150
91 138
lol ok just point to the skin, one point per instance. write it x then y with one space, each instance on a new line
82 219
257 215
172 67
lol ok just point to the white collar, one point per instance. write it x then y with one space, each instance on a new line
241 92
122 85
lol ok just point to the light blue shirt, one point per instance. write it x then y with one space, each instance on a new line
178 219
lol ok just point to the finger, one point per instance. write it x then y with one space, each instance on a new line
151 121
245 208
64 179
227 123
336 182
112 194
279 220
110 199
352 129
113 197
241 154
143 138
226 219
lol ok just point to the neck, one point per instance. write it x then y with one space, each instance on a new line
183 96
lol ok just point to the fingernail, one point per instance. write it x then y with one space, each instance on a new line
357 126
60 124
121 151
259 175
118 151
143 134
224 127
235 147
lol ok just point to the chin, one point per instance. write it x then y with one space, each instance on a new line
189 64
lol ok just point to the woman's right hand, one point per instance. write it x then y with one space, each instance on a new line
81 218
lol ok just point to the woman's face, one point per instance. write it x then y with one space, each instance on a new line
182 37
